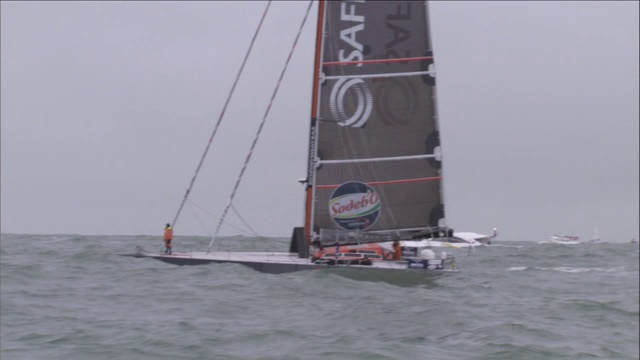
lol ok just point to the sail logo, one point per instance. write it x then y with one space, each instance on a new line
348 90
354 206
363 99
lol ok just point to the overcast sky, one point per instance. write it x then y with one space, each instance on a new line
106 108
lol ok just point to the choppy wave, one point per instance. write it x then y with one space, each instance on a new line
567 269
73 297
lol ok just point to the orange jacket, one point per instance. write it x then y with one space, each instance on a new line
168 234
397 252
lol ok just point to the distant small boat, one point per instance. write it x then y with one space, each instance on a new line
633 241
596 236
562 239
474 238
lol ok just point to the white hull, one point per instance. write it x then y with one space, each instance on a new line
559 242
564 240
474 239
427 243
281 262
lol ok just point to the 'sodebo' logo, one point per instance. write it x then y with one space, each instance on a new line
354 206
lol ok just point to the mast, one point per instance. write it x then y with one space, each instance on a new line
308 222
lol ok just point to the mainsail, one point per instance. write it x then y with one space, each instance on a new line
375 162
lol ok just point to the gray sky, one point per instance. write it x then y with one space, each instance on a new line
108 106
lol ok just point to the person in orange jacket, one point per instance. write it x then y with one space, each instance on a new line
168 236
397 250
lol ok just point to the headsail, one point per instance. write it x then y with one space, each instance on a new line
376 159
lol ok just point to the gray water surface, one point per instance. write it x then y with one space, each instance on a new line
73 297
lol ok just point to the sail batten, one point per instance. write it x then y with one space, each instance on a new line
378 61
371 76
394 158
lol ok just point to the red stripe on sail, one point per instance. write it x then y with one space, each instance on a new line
391 182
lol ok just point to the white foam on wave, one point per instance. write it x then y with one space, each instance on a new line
508 246
517 268
577 270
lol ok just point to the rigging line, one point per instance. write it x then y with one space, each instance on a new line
224 108
264 118
192 203
195 214
253 232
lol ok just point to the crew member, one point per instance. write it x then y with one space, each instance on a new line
397 250
168 236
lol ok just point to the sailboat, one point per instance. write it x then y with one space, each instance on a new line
373 191
596 235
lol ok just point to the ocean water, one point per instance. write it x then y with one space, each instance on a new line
74 297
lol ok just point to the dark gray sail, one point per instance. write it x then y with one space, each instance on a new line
377 154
